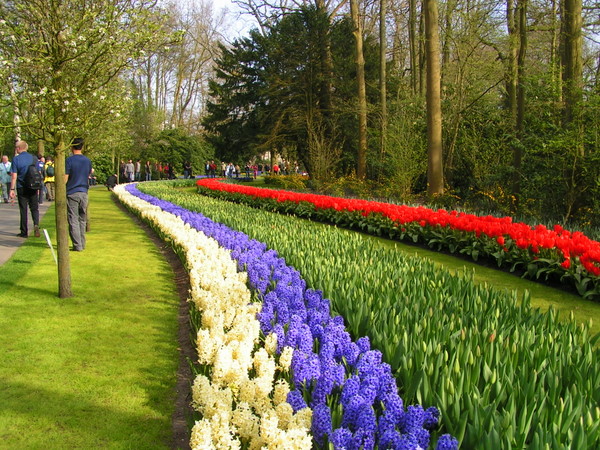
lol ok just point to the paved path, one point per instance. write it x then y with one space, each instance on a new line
9 227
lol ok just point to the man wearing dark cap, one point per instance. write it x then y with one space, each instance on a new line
77 171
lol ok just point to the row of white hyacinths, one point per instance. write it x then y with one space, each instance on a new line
245 397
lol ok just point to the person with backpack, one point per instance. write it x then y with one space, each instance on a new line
49 180
25 185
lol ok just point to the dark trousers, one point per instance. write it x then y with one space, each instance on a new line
77 217
28 198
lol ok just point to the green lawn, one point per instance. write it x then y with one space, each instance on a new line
97 369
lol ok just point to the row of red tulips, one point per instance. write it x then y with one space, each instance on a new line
568 256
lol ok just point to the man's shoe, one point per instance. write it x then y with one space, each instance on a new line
21 235
36 231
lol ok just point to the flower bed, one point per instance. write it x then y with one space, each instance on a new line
350 393
502 374
541 253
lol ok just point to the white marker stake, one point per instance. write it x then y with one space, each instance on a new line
50 245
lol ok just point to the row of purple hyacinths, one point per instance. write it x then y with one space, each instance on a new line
328 368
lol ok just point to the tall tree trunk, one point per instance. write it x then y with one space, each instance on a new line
450 6
597 79
361 169
149 84
516 14
520 118
512 69
16 115
60 208
435 172
572 67
62 225
382 75
555 72
422 53
413 45
179 79
326 66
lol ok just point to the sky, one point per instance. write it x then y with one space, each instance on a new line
237 24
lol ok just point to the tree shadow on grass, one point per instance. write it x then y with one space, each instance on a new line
70 420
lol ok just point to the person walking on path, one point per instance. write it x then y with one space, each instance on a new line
49 180
25 196
129 171
78 168
138 170
5 177
41 164
148 170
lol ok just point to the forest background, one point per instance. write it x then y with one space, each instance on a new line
345 88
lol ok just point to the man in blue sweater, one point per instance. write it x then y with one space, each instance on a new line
78 169
26 197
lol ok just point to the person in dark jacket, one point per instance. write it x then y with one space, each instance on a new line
111 181
25 196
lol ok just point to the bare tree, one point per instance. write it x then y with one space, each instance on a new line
172 83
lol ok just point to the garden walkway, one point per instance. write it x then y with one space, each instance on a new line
9 227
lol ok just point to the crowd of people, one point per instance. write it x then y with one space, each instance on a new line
130 171
251 169
29 180
79 176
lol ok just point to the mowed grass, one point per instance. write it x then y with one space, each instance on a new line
97 370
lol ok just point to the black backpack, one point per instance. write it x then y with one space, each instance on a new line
34 180
50 170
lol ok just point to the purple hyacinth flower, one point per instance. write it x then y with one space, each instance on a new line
352 410
394 407
296 400
364 344
422 437
321 423
341 438
405 442
447 442
432 416
412 419
369 387
363 439
350 389
305 368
